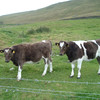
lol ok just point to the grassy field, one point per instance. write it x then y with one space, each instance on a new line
56 85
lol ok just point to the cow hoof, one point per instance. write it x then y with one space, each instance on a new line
43 75
98 73
18 80
71 76
78 77
51 71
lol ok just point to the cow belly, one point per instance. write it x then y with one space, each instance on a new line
33 57
36 60
88 59
85 58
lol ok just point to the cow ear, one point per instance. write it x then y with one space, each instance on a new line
67 45
13 51
1 51
57 44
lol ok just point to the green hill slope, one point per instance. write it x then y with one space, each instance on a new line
64 10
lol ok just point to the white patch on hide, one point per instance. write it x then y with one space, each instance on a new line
44 41
79 43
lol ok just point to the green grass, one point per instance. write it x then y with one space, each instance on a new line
33 89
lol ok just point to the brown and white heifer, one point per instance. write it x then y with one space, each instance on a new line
19 54
77 51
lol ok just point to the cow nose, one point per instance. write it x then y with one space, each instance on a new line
60 54
6 61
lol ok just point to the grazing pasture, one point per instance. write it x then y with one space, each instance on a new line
56 85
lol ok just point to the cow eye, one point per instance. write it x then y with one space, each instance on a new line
64 48
9 54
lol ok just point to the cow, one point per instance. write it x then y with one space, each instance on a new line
19 54
79 51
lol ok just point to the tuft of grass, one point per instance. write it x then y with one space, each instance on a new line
42 29
31 31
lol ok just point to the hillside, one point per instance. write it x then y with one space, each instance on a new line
64 10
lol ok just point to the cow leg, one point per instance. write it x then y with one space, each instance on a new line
50 63
98 59
72 73
79 63
46 66
19 73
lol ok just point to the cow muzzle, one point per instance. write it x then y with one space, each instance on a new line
60 54
6 61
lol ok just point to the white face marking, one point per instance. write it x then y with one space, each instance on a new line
61 44
44 41
6 50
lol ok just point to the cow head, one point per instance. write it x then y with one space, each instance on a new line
63 47
8 52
